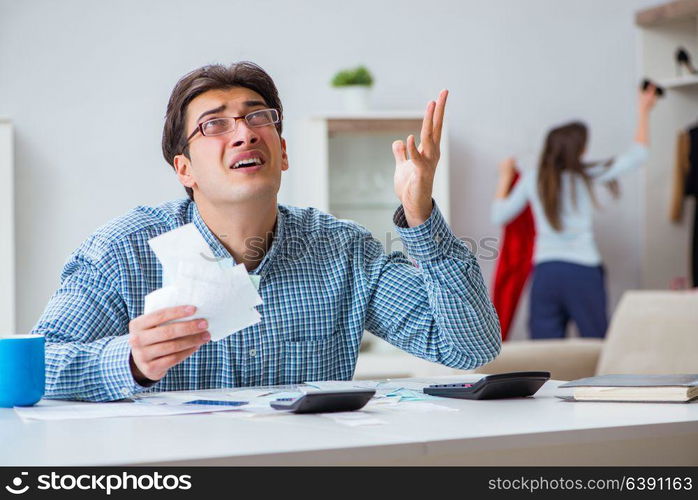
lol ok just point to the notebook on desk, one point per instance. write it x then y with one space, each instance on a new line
635 388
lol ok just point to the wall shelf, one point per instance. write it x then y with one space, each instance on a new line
679 82
390 115
373 121
666 13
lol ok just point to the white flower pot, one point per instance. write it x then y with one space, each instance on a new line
355 98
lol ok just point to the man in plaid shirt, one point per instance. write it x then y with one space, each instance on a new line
323 280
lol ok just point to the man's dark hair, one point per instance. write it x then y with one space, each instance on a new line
212 77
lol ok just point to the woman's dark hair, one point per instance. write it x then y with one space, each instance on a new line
212 77
563 150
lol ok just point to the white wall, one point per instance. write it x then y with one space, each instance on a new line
7 230
86 85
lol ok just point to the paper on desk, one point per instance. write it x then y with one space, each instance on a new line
354 418
258 400
382 387
253 394
396 384
107 410
223 294
382 402
257 406
422 407
263 400
337 385
408 395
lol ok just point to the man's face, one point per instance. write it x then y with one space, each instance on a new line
210 171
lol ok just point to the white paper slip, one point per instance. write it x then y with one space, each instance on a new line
180 244
224 294
223 314
107 410
235 278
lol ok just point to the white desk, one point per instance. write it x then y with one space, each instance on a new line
536 431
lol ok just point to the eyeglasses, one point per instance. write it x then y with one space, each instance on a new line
223 125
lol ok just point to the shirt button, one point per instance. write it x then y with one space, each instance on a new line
125 391
438 238
253 353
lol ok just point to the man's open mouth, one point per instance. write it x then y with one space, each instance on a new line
247 163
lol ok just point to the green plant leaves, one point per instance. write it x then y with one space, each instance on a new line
356 76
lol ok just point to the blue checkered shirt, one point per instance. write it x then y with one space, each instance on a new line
323 282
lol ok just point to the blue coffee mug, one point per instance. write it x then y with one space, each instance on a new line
22 366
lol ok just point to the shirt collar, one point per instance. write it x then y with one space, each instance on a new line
219 251
214 243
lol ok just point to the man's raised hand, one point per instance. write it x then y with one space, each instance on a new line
414 174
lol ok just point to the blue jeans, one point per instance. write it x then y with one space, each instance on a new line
562 291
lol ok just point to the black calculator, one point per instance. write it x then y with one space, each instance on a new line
500 386
325 401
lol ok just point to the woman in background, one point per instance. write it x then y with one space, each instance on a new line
568 278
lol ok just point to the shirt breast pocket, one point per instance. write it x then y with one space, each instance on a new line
310 360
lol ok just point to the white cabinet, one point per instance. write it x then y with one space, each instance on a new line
663 29
345 167
7 230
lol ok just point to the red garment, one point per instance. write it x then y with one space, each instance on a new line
513 265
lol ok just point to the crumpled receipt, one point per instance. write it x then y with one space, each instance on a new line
223 293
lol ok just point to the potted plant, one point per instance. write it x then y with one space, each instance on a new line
355 85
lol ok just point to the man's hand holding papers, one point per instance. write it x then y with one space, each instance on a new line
219 297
